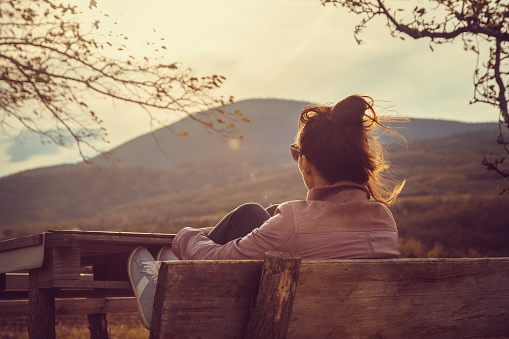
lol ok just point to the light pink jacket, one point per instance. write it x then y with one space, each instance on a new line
336 221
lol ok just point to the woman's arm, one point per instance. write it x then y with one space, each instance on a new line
206 230
193 244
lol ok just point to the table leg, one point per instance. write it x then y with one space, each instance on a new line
41 312
98 326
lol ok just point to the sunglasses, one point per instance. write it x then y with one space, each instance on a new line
295 152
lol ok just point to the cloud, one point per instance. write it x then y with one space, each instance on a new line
28 145
15 158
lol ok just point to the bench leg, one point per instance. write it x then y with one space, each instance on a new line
41 311
98 326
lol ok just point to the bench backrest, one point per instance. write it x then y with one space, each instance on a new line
400 298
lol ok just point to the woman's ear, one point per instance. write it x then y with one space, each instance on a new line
306 166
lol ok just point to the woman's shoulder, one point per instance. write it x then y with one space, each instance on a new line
289 207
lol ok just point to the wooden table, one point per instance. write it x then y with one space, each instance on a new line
71 264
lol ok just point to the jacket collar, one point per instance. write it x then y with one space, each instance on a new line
323 192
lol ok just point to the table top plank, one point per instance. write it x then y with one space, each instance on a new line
11 244
109 236
21 256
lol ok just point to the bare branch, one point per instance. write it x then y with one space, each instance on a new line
443 21
50 64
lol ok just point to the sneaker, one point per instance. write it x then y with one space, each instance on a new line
166 254
143 271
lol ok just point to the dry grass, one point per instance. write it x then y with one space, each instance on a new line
76 327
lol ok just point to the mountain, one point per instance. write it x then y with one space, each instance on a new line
203 178
272 126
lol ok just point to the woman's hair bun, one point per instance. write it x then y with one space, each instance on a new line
350 111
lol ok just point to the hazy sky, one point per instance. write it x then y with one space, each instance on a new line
288 49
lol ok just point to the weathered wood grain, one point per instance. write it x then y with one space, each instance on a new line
86 284
98 326
17 308
21 254
271 315
11 244
204 299
115 238
57 260
402 298
41 313
14 281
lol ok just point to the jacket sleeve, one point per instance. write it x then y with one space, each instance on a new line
192 244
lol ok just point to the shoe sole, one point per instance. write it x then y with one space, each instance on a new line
140 308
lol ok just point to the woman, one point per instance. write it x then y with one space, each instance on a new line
344 215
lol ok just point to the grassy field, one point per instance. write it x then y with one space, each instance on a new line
120 326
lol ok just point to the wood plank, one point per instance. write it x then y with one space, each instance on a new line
109 233
86 284
60 263
19 308
16 287
96 306
65 263
23 255
402 298
204 299
10 244
15 282
19 281
114 237
61 242
13 295
66 293
97 293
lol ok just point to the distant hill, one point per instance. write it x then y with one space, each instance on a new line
273 126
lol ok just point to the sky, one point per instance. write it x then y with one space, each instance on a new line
285 49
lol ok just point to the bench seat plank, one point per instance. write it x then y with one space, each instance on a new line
204 299
402 298
382 298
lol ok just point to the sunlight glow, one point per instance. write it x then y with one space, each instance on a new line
234 144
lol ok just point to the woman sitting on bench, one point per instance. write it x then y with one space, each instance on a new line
343 216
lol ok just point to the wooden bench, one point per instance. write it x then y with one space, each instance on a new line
286 297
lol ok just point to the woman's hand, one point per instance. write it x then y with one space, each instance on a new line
206 230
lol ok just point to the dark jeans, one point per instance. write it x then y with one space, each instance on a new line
240 222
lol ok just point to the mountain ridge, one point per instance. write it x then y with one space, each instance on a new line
258 134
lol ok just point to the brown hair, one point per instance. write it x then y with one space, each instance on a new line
337 141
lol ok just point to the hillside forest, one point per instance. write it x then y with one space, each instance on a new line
449 206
